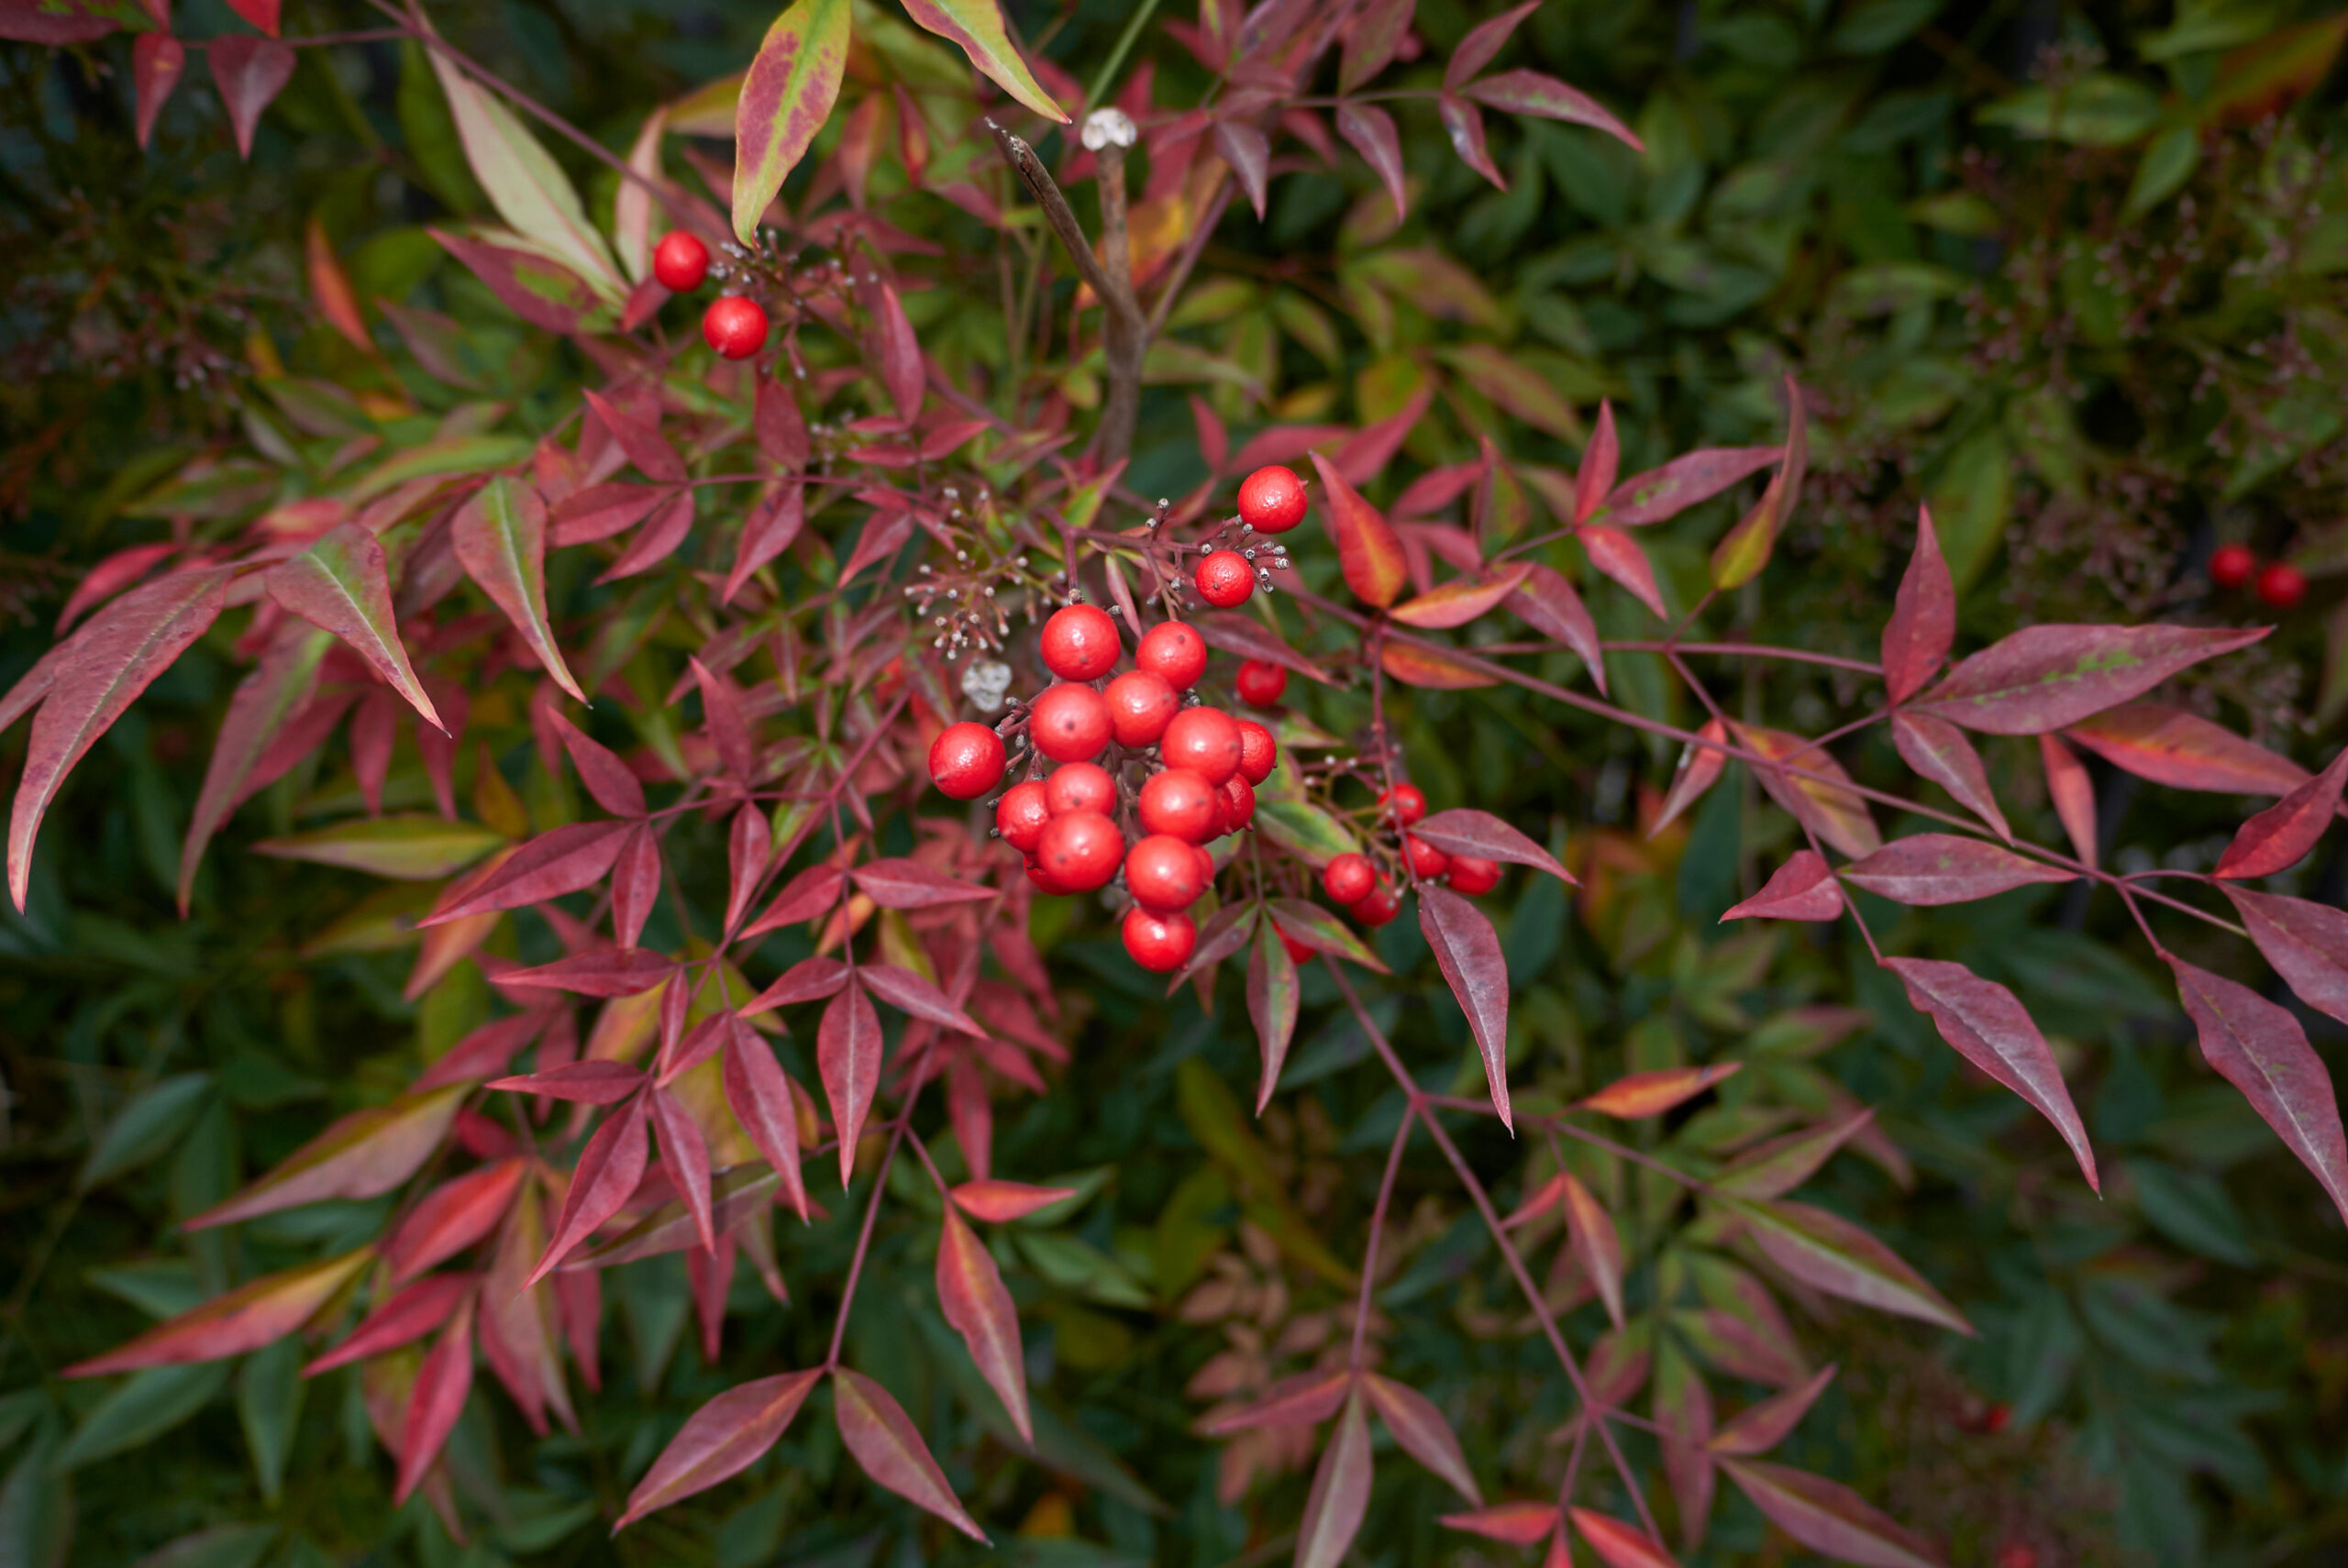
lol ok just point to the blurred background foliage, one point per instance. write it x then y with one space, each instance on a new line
2069 271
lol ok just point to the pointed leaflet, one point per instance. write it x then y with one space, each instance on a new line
1271 1006
258 1312
884 1441
1802 888
911 995
722 1439
2185 751
1545 97
1378 31
632 203
1340 1496
1316 928
608 1170
407 1316
1930 868
645 447
2073 792
517 1324
522 180
1369 130
686 1156
1420 1432
899 884
1828 1253
762 1102
1775 1168
2045 678
1460 600
971 1293
1640 1095
1923 617
1683 1418
265 700
786 97
1435 668
608 780
977 26
1483 41
1248 153
1512 1524
1304 1399
1699 766
749 845
1746 548
1002 1201
810 893
1660 494
91 677
847 1054
1616 554
1545 601
1813 786
769 530
1938 751
810 980
1828 1517
1989 1028
2306 943
1368 553
1465 830
157 63
451 1217
2260 1049
602 972
1759 1428
362 1154
250 72
564 860
1468 951
442 1385
1618 1545
341 585
2277 838
1596 1246
901 370
1463 122
500 538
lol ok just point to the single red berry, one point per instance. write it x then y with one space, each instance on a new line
965 761
1238 802
1382 905
2231 566
1203 740
1179 801
2281 587
1297 952
1259 753
1408 802
1271 500
1021 815
735 326
1349 879
1069 723
681 261
1080 851
1474 875
1997 1418
1226 578
1081 643
1427 861
1044 880
1162 873
1259 683
1160 944
1081 787
2017 1554
1206 864
1175 651
1141 703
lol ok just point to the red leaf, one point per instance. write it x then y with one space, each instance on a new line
848 1054
1249 638
1700 768
157 63
1482 42
1340 1496
563 860
762 1102
900 362
1434 669
1660 494
2046 677
1272 1000
769 530
261 14
1938 751
1545 601
341 583
1368 553
541 290
1513 1524
1617 555
815 891
250 72
2306 943
1759 1428
1464 123
971 1295
1002 1201
635 884
1828 1253
1811 786
810 980
1378 31
1546 97
581 1083
1420 1432
1596 1246
1468 951
722 1439
259 712
608 1171
363 1154
2073 792
451 1217
500 538
1683 1415
885 1442
1618 1545
656 540
258 1312
1989 1028
685 1154
1303 1399
1923 617
786 96
749 843
1369 130
1828 1517
645 447
1746 548
2260 1049
1640 1095
2186 751
517 1328
602 510
1460 600
2279 836
102 582
405 1317
1928 869
1249 153
911 994
1318 929
612 972
1600 460
438 1398
910 885
1802 888
1773 1168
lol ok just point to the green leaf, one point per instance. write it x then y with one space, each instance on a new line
222 1546
2166 165
149 1123
36 1507
1971 500
342 583
146 1406
2190 1210
2099 109
1304 830
269 1404
977 26
786 97
404 848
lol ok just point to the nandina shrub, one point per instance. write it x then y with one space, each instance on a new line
664 733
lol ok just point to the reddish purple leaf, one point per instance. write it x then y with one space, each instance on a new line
157 63
1302 1399
635 884
102 582
1483 41
250 72
442 1385
2046 677
407 1316
1464 123
771 528
2073 792
2280 836
1639 1095
1660 494
1248 152
1923 617
1618 556
645 447
1520 1523
901 363
483 1053
1618 1545
721 1440
1828 1517
1775 1167
2185 751
1759 1428
1596 1246
564 860
1369 130
1813 788
1272 1000
264 705
518 1325
1369 556
687 1158
612 972
1378 31
1334 1509
1544 96
910 885
1545 601
1989 1028
762 1102
848 1054
1600 460
786 96
971 1295
1938 751
911 994
1930 868
601 510
2306 943
261 14
534 286
780 428
363 1154
886 1444
258 1312
608 1171
1683 1415
1468 951
815 891
451 1217
1700 768
49 23
749 845
1420 1431
810 980
1828 1253
500 538
1460 600
1802 888
2260 1049
1002 1201
1249 638
342 584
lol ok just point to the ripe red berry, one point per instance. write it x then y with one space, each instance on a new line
1238 802
1226 578
1259 683
1141 703
1206 864
1081 787
735 326
681 261
1179 801
1259 753
1348 878
1021 815
1474 875
1382 905
1080 851
965 761
1427 861
1081 643
1175 651
1160 944
1297 952
1162 873
1271 500
1044 880
1994 1420
1407 801
2231 566
1069 723
2281 587
1203 740
2017 1554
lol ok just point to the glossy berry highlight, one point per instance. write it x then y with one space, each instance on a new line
2281 587
1203 740
965 761
1271 500
1349 879
1179 801
1081 643
681 261
735 327
1162 873
1069 723
1225 579
2232 566
1160 944
1142 703
1404 802
1259 683
1175 651
1021 815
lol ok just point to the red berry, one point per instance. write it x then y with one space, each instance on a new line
1179 801
1259 683
1069 723
1226 578
1081 787
1162 873
1259 753
1408 804
2281 587
1044 880
1472 874
1175 651
965 761
1995 1420
1203 740
1238 802
681 261
1297 952
1271 500
735 326
2231 566
1348 878
1382 905
1427 862
1081 643
1141 703
1160 944
1021 815
1080 851
2017 1554
1206 864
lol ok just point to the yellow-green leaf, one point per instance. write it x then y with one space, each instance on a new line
786 98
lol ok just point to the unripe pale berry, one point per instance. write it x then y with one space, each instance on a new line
1021 815
1408 804
681 261
1175 651
735 326
1080 851
1259 753
1081 643
1427 861
1179 801
1226 578
2281 587
1238 802
1474 875
1162 873
1160 944
2231 566
1271 500
965 761
1069 723
1348 878
1382 905
1141 703
1259 683
1081 787
1203 740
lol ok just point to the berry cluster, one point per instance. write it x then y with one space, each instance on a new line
1271 500
1353 883
735 326
2278 584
